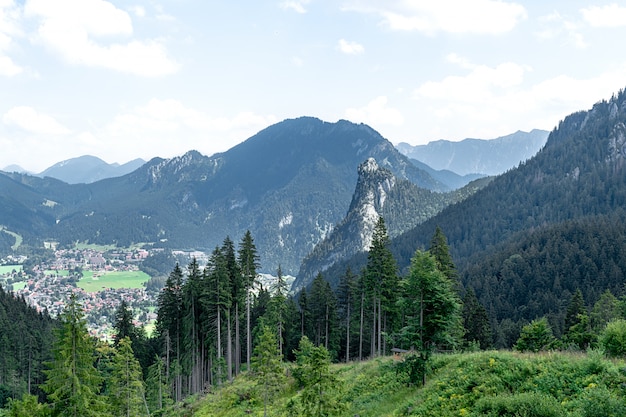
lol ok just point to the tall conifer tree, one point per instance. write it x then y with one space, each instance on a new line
73 383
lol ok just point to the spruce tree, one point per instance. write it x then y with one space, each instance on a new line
73 383
267 365
126 388
476 321
321 389
440 250
432 309
237 287
169 327
381 281
345 298
249 263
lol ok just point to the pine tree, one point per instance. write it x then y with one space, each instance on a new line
575 308
73 381
440 250
323 312
218 300
267 366
193 342
248 260
381 281
345 298
157 393
237 287
126 388
321 389
431 306
169 327
276 309
123 325
476 321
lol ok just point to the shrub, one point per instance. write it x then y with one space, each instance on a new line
535 336
599 402
528 404
613 338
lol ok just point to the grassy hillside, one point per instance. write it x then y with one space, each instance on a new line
492 383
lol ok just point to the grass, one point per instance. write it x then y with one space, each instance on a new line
482 384
18 285
7 269
61 272
18 238
91 282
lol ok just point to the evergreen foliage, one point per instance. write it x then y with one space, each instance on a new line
73 382
267 366
126 388
25 347
535 336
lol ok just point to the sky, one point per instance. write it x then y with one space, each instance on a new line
156 78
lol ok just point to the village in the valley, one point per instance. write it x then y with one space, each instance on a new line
48 285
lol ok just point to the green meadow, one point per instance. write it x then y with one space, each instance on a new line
94 282
7 269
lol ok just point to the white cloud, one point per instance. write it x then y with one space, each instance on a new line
30 120
296 5
178 128
460 61
556 26
8 30
479 85
82 30
350 48
489 102
611 15
8 67
139 11
375 113
452 16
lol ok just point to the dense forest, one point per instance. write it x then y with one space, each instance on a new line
215 323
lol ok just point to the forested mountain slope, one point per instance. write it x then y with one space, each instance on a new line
25 346
289 185
561 212
378 192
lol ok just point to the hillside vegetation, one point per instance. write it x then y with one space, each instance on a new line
489 383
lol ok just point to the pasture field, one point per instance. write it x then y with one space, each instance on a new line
7 269
61 272
19 285
91 282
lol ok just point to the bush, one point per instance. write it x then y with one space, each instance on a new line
528 404
535 336
599 402
613 338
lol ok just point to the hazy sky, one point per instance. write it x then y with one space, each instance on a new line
145 78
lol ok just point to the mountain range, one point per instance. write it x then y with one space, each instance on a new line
478 156
524 240
290 184
537 233
83 170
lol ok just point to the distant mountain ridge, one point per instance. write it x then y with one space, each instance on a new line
87 169
289 184
478 156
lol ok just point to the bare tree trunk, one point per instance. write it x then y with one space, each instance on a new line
380 332
229 349
237 341
248 331
327 320
348 334
361 327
